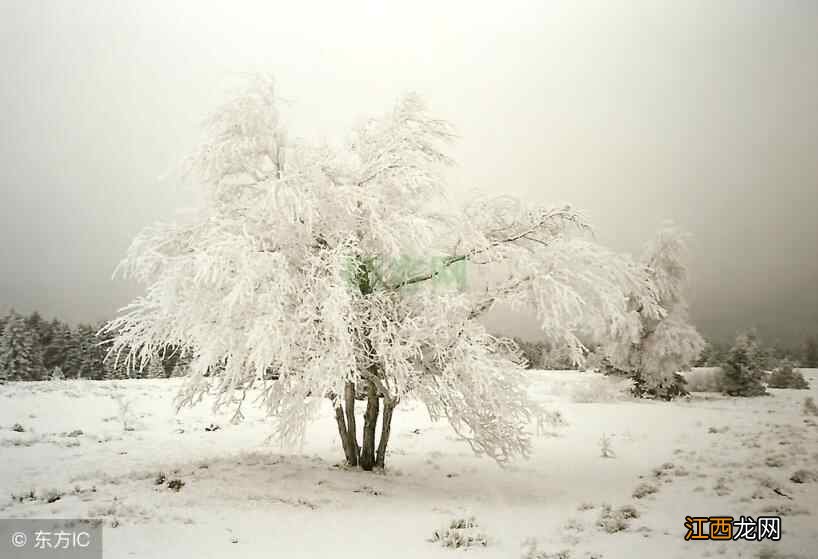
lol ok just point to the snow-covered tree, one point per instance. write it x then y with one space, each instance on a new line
40 327
20 354
56 351
57 374
74 355
85 357
742 372
340 271
92 360
667 342
785 375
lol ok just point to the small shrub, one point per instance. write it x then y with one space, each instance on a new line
176 484
368 490
667 389
17 428
606 450
21 497
775 461
124 413
721 488
549 421
785 376
804 476
531 551
643 490
783 509
461 533
160 479
770 552
613 521
664 470
629 511
810 408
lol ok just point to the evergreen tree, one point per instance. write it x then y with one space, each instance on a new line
742 372
713 355
56 350
40 328
92 354
20 354
811 353
75 355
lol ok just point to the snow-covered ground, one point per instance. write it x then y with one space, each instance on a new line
246 497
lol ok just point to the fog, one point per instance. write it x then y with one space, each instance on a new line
702 113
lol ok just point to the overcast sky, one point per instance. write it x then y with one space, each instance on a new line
705 113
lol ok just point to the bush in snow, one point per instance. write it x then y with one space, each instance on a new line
341 270
605 447
531 550
613 521
804 476
810 408
461 533
125 414
644 489
742 373
531 353
771 552
784 376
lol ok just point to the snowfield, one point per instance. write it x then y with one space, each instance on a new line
110 449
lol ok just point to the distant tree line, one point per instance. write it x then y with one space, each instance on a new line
768 356
32 349
539 355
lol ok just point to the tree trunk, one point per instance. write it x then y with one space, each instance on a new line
352 436
343 433
370 423
386 425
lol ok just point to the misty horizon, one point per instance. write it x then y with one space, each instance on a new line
700 114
